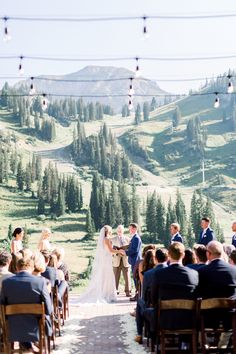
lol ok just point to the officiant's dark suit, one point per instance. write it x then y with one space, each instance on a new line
135 247
207 234
25 288
173 282
218 278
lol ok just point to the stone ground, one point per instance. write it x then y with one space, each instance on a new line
100 329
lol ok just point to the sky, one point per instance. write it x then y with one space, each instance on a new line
168 38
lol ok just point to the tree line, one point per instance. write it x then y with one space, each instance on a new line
101 152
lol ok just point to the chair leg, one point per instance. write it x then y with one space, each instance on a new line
203 337
194 342
163 350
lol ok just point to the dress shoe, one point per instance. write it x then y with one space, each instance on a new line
139 339
134 298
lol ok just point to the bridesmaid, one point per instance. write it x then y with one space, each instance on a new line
16 242
44 244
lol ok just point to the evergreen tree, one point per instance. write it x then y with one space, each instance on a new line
197 209
146 111
160 209
25 240
137 118
181 215
20 176
41 205
176 117
89 225
61 205
153 104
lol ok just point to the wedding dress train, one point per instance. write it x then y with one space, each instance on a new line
101 288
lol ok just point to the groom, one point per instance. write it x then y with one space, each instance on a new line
135 248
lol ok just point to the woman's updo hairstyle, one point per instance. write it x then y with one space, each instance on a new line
17 231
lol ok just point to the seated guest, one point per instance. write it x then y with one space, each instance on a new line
174 231
148 263
201 257
145 301
53 263
16 242
232 257
50 272
27 289
227 251
60 253
5 260
44 244
40 267
173 282
14 260
189 257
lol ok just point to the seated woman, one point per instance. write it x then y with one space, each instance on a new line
44 244
60 253
40 267
148 263
16 242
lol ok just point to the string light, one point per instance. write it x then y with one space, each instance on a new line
44 102
230 85
6 35
131 90
32 89
137 69
145 31
130 106
217 101
21 70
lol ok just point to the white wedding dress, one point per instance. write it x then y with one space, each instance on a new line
101 288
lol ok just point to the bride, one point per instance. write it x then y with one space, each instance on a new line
101 288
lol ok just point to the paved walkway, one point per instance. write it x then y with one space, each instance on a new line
100 329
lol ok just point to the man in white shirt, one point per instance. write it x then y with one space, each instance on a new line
119 262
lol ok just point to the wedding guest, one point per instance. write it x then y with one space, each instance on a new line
16 242
120 263
227 250
207 234
14 260
44 243
149 262
60 253
5 260
189 257
53 263
27 289
40 267
175 233
234 234
50 272
201 257
232 257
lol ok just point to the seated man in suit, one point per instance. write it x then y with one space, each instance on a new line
201 257
207 234
174 231
172 282
145 300
25 288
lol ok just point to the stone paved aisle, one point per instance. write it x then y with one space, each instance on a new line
100 329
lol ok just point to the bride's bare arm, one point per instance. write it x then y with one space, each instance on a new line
109 246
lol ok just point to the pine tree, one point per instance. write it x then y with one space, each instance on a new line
135 205
61 205
151 214
197 209
89 225
153 104
137 118
25 240
181 215
146 111
160 209
176 117
20 176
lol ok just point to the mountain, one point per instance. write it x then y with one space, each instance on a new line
119 87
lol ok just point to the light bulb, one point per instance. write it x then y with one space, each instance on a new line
217 102
137 70
131 90
230 87
44 102
20 68
130 106
6 35
32 89
145 31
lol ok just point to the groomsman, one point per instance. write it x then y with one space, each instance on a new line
207 234
119 262
174 231
234 235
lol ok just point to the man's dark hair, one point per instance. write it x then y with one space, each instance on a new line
201 253
232 256
133 224
5 258
161 255
206 219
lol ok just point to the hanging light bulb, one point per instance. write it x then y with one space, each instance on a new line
230 85
6 34
131 90
217 101
137 70
44 102
32 89
130 106
21 70
145 32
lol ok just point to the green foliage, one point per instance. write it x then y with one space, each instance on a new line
176 117
25 240
138 116
146 111
90 228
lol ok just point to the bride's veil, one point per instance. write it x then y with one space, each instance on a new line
94 291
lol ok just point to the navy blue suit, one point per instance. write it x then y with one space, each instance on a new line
177 238
234 240
134 250
25 288
206 237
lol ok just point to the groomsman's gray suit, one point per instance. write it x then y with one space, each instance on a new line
120 263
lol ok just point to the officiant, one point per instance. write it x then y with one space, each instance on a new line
120 263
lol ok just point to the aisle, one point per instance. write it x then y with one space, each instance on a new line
103 329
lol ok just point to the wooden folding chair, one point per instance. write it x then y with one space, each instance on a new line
165 306
217 304
65 300
24 309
